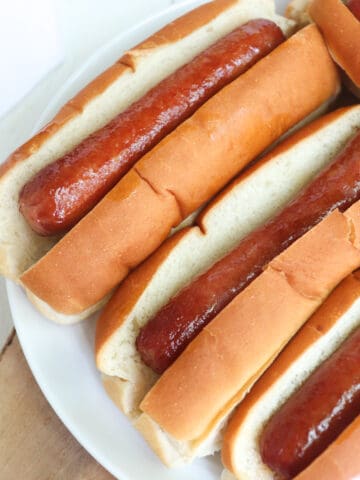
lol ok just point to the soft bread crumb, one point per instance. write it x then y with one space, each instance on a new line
297 10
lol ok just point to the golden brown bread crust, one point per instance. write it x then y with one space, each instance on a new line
209 376
124 300
82 286
179 28
133 286
353 216
183 176
321 322
172 32
341 30
341 460
285 145
169 182
228 356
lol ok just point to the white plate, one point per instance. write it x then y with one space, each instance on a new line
61 358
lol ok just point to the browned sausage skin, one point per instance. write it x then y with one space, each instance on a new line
167 334
316 414
354 6
64 191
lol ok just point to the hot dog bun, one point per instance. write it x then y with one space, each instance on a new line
56 198
341 30
332 323
169 183
284 172
129 78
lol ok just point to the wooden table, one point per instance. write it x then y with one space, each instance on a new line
34 444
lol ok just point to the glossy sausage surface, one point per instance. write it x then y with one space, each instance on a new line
354 6
316 414
167 334
64 191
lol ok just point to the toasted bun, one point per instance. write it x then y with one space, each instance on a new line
194 397
341 460
264 189
169 182
332 323
341 30
136 72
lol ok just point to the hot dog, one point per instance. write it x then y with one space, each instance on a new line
168 183
124 83
339 461
310 394
128 380
354 7
165 336
316 414
64 191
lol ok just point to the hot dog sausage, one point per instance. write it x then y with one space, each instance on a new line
167 334
316 414
354 6
64 191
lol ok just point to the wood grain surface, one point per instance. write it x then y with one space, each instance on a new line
34 444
